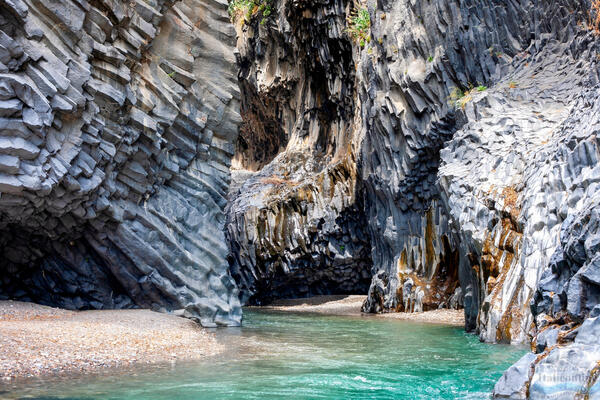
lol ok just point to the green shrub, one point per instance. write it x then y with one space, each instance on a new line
247 8
459 98
359 24
456 95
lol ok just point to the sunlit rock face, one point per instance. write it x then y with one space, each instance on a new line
508 180
420 55
477 164
511 166
565 301
118 124
295 221
416 59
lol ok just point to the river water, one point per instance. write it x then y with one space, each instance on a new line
302 356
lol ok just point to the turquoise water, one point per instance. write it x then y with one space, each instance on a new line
300 356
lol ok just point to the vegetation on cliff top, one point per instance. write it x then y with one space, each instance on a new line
359 24
247 8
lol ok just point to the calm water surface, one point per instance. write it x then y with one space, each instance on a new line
299 356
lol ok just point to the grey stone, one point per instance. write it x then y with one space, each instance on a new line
92 212
10 107
9 164
64 12
480 191
19 7
513 383
45 86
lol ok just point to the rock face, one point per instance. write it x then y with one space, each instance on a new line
565 305
295 226
414 138
471 133
440 153
117 126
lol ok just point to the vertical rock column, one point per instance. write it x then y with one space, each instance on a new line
503 174
296 225
118 123
419 53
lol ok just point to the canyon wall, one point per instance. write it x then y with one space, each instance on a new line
117 130
294 221
468 133
431 154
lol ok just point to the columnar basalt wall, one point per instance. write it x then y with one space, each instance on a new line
472 126
118 124
504 179
418 87
299 237
296 226
562 218
420 54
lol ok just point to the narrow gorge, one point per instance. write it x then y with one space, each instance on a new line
196 156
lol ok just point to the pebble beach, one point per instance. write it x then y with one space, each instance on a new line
38 340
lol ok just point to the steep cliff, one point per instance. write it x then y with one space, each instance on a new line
563 222
471 133
437 153
118 123
295 225
426 86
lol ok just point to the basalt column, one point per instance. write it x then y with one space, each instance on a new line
418 57
296 225
118 121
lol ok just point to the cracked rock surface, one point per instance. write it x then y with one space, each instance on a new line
449 159
117 126
295 221
473 128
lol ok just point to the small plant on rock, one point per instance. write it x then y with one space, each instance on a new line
359 24
265 9
460 98
240 8
247 8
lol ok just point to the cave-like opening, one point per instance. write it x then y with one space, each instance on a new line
65 273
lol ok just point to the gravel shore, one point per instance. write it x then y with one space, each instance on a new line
350 305
40 340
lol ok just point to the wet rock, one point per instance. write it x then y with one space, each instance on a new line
513 383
